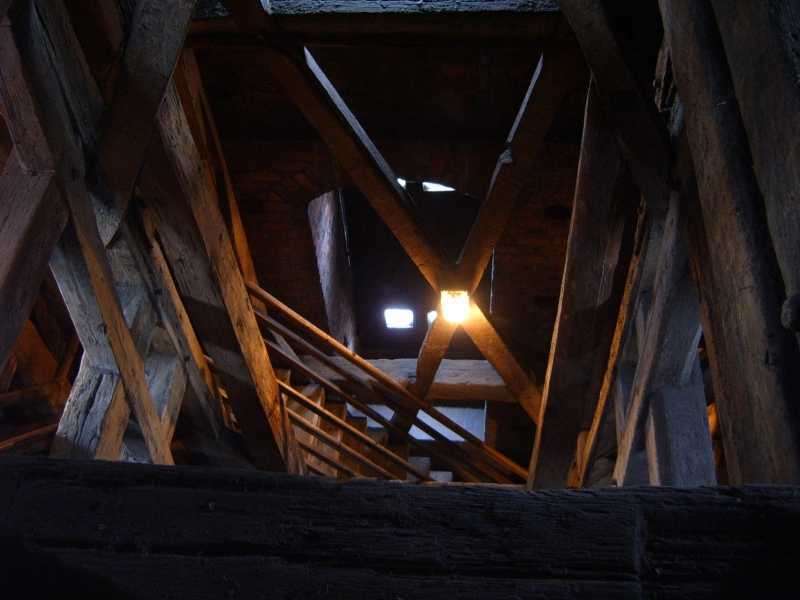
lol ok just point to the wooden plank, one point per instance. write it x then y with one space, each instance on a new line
197 190
331 462
668 353
305 83
761 41
598 252
32 217
754 356
520 383
151 51
641 133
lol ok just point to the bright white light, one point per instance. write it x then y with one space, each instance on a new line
429 186
402 182
432 316
455 305
399 318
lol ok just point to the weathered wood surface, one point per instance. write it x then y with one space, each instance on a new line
250 534
591 291
32 217
151 50
642 135
669 344
754 356
196 185
762 44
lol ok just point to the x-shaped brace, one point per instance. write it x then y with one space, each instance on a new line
310 89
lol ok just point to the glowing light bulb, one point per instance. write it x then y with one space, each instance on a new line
455 305
432 316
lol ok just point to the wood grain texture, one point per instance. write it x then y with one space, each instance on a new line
762 46
668 350
754 356
250 533
591 291
32 217
641 133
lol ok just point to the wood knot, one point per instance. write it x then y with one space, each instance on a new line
790 314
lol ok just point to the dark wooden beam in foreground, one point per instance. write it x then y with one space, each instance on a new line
755 358
762 43
114 525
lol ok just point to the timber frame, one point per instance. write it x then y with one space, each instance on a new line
676 336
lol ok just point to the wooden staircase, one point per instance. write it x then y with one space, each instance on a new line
339 430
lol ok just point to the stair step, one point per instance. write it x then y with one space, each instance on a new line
421 463
441 476
284 375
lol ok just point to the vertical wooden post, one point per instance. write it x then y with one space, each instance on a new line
755 358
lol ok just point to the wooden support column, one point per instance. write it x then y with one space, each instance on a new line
152 49
762 43
642 135
678 441
32 217
755 358
32 214
185 211
668 352
598 255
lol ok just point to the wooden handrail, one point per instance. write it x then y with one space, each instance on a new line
327 459
459 466
315 471
345 426
495 458
331 441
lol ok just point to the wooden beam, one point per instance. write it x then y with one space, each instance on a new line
54 66
754 356
206 409
641 133
557 74
761 45
306 84
520 383
152 47
698 543
598 253
668 353
227 290
32 217
615 378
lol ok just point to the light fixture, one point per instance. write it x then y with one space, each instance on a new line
455 305
432 314
399 318
430 186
